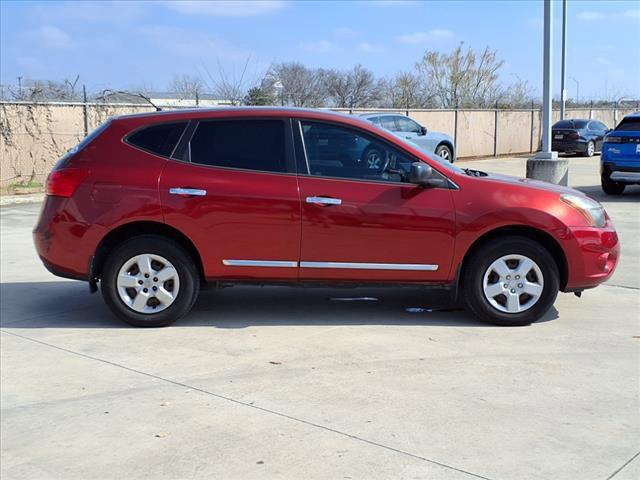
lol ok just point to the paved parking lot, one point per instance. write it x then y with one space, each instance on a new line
303 383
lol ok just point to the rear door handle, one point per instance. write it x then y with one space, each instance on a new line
187 192
324 201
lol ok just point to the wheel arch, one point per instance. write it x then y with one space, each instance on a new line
532 233
129 230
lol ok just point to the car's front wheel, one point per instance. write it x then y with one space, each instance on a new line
444 152
510 281
150 281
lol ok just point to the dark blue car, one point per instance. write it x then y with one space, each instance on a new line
620 158
578 136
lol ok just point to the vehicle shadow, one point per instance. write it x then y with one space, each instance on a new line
67 304
631 194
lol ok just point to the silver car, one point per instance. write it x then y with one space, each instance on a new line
406 128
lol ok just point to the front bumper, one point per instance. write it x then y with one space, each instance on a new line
594 258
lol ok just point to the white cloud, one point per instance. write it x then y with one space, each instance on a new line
322 46
90 11
226 8
589 16
190 44
425 37
367 47
53 37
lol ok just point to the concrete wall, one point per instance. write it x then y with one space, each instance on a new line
34 136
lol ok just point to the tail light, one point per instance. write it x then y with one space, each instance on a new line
63 182
573 136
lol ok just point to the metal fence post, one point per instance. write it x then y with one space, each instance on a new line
495 131
85 110
531 136
455 126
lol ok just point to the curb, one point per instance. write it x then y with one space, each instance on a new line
9 200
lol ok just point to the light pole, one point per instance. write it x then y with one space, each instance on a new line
546 165
563 74
577 89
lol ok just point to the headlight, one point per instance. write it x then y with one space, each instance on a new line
591 210
608 139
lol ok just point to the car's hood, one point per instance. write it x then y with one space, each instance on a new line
530 183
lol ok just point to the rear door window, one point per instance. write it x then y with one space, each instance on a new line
158 139
245 144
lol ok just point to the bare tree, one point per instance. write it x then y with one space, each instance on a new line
300 86
229 86
519 94
187 87
352 89
43 90
461 78
406 90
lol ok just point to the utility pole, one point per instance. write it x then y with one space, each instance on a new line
20 87
546 165
563 75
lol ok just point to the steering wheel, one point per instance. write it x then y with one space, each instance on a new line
376 159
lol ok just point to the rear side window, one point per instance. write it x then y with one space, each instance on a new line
247 144
158 139
570 124
629 125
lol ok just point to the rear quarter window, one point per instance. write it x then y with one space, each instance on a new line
158 139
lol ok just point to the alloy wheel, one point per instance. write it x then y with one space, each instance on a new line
513 283
148 283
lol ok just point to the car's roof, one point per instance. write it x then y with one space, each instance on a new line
140 119
633 115
381 114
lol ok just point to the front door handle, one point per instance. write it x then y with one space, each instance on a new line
324 201
187 192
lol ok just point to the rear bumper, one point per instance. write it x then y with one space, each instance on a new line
569 147
627 172
594 258
64 243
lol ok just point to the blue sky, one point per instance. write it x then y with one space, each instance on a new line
143 43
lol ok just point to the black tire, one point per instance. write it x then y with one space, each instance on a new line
189 280
609 186
590 150
444 152
474 271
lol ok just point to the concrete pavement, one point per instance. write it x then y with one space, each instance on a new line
292 383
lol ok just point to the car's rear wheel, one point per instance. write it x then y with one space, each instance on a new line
609 186
150 281
510 281
444 152
590 150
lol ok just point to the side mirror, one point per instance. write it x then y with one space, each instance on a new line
423 130
423 175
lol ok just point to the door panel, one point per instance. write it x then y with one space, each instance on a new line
246 225
394 232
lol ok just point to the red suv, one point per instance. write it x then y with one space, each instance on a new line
153 206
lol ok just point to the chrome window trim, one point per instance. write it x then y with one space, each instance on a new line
260 263
371 266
